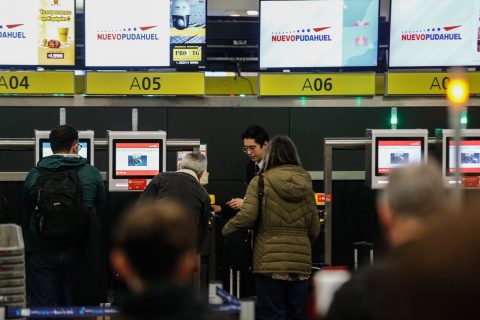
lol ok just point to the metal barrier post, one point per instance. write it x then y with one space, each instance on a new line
247 310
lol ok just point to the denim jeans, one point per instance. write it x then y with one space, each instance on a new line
280 299
50 277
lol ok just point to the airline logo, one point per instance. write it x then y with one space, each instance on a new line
433 34
302 35
126 34
12 31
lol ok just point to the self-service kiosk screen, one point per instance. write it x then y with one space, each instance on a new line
469 156
37 33
434 33
393 153
46 148
318 33
145 33
137 158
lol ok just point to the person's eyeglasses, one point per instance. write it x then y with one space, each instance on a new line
249 148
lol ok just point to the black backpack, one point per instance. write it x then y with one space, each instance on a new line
59 210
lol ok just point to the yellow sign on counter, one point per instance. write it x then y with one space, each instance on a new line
37 83
425 83
145 83
334 84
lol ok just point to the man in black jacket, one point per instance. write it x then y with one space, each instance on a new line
184 186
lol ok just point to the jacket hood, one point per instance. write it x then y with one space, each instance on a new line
59 161
292 183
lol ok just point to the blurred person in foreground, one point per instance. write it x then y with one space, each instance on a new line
285 230
155 254
414 201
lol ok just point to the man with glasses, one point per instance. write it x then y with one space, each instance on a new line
63 198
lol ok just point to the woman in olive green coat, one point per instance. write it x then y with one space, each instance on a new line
287 227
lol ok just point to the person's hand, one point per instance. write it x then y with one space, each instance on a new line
235 203
216 209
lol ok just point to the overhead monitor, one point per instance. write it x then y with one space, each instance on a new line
469 156
145 34
318 34
392 149
37 33
135 158
43 145
434 33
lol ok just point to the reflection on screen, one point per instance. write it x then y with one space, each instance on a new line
46 150
137 159
397 153
469 156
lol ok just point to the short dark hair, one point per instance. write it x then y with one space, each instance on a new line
256 132
154 235
63 137
281 151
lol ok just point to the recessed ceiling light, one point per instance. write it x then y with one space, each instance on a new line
252 12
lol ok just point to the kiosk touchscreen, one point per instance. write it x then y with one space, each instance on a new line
469 157
135 158
43 145
391 149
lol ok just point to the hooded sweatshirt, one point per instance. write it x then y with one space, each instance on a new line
93 188
289 223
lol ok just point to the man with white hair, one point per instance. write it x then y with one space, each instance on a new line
415 199
184 186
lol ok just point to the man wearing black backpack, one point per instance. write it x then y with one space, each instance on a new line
64 196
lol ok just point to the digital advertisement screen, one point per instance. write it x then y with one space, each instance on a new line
145 33
37 33
469 156
318 33
393 154
46 149
137 159
429 33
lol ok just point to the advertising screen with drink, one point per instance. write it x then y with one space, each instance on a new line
37 33
314 33
144 33
137 159
432 33
394 153
469 156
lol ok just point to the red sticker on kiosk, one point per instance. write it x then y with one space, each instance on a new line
471 182
137 184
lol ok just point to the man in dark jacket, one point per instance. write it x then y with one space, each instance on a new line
184 186
52 265
155 253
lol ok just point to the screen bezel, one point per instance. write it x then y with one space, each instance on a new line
41 141
447 158
139 140
50 66
377 142
313 69
414 67
145 68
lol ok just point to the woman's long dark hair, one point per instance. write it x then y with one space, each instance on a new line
281 151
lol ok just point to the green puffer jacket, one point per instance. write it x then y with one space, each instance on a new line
94 196
289 222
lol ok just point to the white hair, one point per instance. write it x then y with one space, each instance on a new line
194 161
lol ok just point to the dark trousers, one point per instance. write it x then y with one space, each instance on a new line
50 277
279 299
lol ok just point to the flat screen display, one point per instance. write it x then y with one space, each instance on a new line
137 158
393 153
46 148
145 33
318 33
469 156
37 33
434 33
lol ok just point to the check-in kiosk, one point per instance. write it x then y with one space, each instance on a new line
135 157
469 157
43 146
391 149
